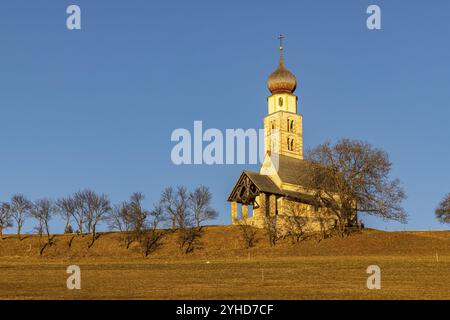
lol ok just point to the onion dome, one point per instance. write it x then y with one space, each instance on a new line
281 80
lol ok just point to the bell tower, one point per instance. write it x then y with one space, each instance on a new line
283 125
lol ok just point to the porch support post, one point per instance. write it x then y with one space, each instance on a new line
244 211
234 212
272 204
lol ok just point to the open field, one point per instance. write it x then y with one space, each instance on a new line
414 265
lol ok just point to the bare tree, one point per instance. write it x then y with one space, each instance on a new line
122 220
139 215
20 208
443 210
183 214
270 225
96 208
83 202
157 216
295 221
272 231
176 205
140 224
326 227
119 218
5 218
351 177
189 238
168 203
248 233
296 226
152 236
199 202
80 211
43 210
66 210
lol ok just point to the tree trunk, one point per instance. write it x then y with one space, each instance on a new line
69 243
47 230
80 228
42 249
93 238
94 234
1 232
128 243
174 223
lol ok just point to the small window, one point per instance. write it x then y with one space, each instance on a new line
290 144
290 125
280 102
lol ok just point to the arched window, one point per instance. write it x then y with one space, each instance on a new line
272 127
280 102
290 125
290 144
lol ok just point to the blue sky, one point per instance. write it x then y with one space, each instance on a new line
96 108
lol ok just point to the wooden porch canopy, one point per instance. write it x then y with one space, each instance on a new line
250 185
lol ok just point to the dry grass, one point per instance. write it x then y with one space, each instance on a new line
222 269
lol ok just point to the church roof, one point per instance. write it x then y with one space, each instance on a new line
297 172
302 197
293 171
263 183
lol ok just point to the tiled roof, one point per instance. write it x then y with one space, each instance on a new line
263 183
293 171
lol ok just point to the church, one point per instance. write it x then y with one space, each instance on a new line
279 189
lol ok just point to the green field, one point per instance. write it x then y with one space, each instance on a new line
414 265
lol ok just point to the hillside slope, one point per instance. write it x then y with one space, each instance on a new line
225 242
414 265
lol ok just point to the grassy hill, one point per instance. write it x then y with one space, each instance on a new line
414 264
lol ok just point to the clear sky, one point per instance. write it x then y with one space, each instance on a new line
96 107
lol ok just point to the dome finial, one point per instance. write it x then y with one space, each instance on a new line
281 37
